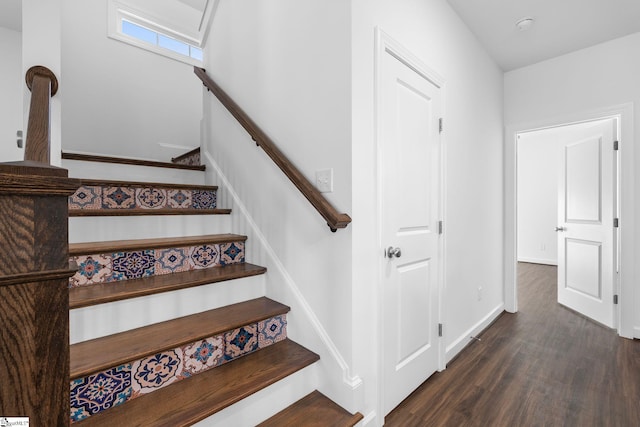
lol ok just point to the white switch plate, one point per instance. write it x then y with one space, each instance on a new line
324 180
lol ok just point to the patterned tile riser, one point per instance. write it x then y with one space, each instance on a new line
112 387
192 160
112 267
95 197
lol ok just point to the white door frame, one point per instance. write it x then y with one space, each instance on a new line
385 44
626 191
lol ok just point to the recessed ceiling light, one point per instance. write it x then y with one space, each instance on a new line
524 24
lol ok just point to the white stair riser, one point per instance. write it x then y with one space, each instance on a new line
110 318
120 172
260 406
97 229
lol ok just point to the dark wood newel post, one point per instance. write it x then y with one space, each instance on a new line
34 294
43 85
34 279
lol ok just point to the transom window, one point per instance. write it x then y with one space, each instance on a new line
154 38
172 28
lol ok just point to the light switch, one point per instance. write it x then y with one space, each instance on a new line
324 180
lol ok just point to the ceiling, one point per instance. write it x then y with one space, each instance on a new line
199 5
561 26
11 14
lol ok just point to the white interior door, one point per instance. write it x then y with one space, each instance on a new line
586 232
410 172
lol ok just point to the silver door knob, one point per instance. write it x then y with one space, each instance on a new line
393 252
560 229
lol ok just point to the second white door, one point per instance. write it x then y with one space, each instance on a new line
586 232
410 171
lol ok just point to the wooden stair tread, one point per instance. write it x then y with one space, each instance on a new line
89 248
114 183
138 212
84 296
193 399
125 161
313 410
98 354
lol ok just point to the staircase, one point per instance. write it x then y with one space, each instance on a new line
169 324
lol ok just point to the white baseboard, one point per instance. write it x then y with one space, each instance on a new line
636 332
461 342
538 260
368 420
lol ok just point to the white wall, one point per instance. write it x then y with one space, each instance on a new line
287 64
591 79
121 100
304 71
473 144
11 83
41 46
537 197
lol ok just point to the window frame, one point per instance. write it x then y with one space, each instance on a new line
119 12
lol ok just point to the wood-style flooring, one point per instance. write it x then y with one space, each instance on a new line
544 366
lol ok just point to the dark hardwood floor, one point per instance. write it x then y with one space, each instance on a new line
544 366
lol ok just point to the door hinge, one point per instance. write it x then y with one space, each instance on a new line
616 222
615 299
440 126
439 329
615 145
440 227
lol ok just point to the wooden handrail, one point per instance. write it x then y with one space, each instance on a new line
43 85
334 218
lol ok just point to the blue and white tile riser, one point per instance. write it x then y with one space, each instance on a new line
117 385
191 160
94 197
117 266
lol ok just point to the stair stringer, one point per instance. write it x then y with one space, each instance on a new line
335 378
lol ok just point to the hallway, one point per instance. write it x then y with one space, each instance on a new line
545 365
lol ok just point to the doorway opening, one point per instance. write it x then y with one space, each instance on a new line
567 192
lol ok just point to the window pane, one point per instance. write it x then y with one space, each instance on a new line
196 53
157 39
139 32
173 44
